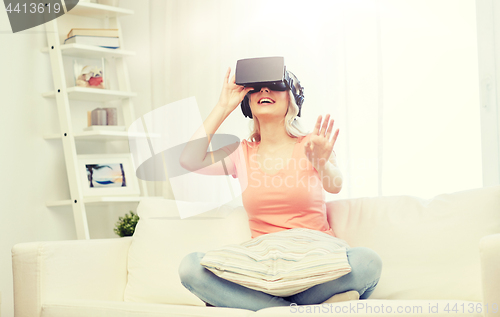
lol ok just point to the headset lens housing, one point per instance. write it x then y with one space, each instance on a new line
277 86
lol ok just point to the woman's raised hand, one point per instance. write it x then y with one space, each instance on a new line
319 148
231 94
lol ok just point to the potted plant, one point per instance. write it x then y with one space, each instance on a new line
125 226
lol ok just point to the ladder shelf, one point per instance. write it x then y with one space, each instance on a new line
63 94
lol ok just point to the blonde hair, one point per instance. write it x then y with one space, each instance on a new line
293 125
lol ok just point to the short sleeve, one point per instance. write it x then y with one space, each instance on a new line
233 161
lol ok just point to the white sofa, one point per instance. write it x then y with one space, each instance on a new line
441 257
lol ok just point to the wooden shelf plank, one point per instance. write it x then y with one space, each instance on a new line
93 94
103 135
99 199
96 10
90 51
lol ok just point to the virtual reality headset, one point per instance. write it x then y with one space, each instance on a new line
267 72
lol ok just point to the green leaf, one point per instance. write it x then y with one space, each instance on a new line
126 225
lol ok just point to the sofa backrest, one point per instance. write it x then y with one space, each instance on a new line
429 248
162 239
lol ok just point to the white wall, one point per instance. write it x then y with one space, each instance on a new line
431 128
33 168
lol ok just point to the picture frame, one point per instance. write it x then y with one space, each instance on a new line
108 175
90 73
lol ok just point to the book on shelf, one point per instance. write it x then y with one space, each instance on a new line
93 32
103 41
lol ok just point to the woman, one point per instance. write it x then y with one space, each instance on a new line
284 173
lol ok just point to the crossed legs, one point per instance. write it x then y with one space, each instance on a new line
366 268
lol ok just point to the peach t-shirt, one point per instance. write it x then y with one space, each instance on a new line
291 198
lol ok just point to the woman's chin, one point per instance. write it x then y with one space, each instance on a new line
267 115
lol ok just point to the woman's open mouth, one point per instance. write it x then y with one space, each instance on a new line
265 100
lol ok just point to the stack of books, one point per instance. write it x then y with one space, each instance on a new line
107 38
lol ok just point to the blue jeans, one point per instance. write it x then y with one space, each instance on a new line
365 263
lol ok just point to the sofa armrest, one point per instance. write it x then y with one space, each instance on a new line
489 249
75 269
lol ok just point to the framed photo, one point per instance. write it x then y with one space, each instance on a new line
108 174
90 73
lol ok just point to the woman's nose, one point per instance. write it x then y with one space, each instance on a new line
264 89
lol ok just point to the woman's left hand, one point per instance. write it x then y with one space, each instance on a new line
319 147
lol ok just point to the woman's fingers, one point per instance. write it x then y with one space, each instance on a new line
325 125
335 136
329 131
243 91
226 77
317 125
231 87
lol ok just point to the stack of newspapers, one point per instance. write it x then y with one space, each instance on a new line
107 38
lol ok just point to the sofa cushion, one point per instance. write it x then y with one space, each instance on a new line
282 263
429 248
161 240
100 308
